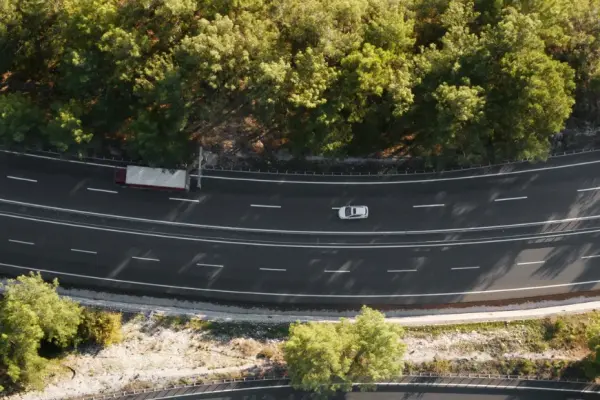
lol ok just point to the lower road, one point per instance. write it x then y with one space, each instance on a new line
431 394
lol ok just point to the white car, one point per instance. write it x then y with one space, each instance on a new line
353 212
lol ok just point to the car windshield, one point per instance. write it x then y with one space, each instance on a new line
348 211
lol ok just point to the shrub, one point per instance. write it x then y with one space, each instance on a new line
101 327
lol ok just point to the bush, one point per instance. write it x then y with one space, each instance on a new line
101 327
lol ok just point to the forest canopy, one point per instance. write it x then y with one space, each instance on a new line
468 80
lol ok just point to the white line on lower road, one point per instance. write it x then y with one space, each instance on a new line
339 271
273 269
21 242
102 190
429 205
588 189
145 258
530 262
264 206
188 200
335 208
209 265
17 178
324 295
593 256
84 251
511 198
456 268
401 270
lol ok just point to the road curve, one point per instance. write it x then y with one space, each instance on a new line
487 239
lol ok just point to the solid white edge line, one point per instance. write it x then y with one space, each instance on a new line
21 242
588 189
510 198
145 258
428 205
401 270
209 265
17 178
264 206
456 178
456 268
593 256
188 200
273 269
530 262
340 183
302 246
84 251
349 296
340 233
102 190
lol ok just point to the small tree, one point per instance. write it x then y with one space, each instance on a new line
325 357
32 311
101 327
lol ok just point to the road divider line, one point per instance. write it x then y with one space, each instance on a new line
21 242
145 258
305 295
338 271
510 198
336 208
18 178
273 269
530 262
304 246
588 189
264 206
401 270
188 200
290 232
209 265
84 251
459 268
593 256
102 190
429 205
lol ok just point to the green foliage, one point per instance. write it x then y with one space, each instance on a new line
101 327
328 357
467 80
32 311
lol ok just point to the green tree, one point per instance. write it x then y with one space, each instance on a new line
32 311
325 357
20 120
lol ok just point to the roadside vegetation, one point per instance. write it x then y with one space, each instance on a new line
51 347
459 80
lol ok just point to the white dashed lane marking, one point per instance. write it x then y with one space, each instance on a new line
84 251
18 178
511 198
102 190
273 269
530 262
21 242
188 200
145 258
459 268
209 265
429 205
264 206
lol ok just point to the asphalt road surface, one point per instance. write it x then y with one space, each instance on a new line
450 238
416 394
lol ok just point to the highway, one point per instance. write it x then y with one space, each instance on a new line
428 240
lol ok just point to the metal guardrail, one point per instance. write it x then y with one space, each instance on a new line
274 171
217 385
